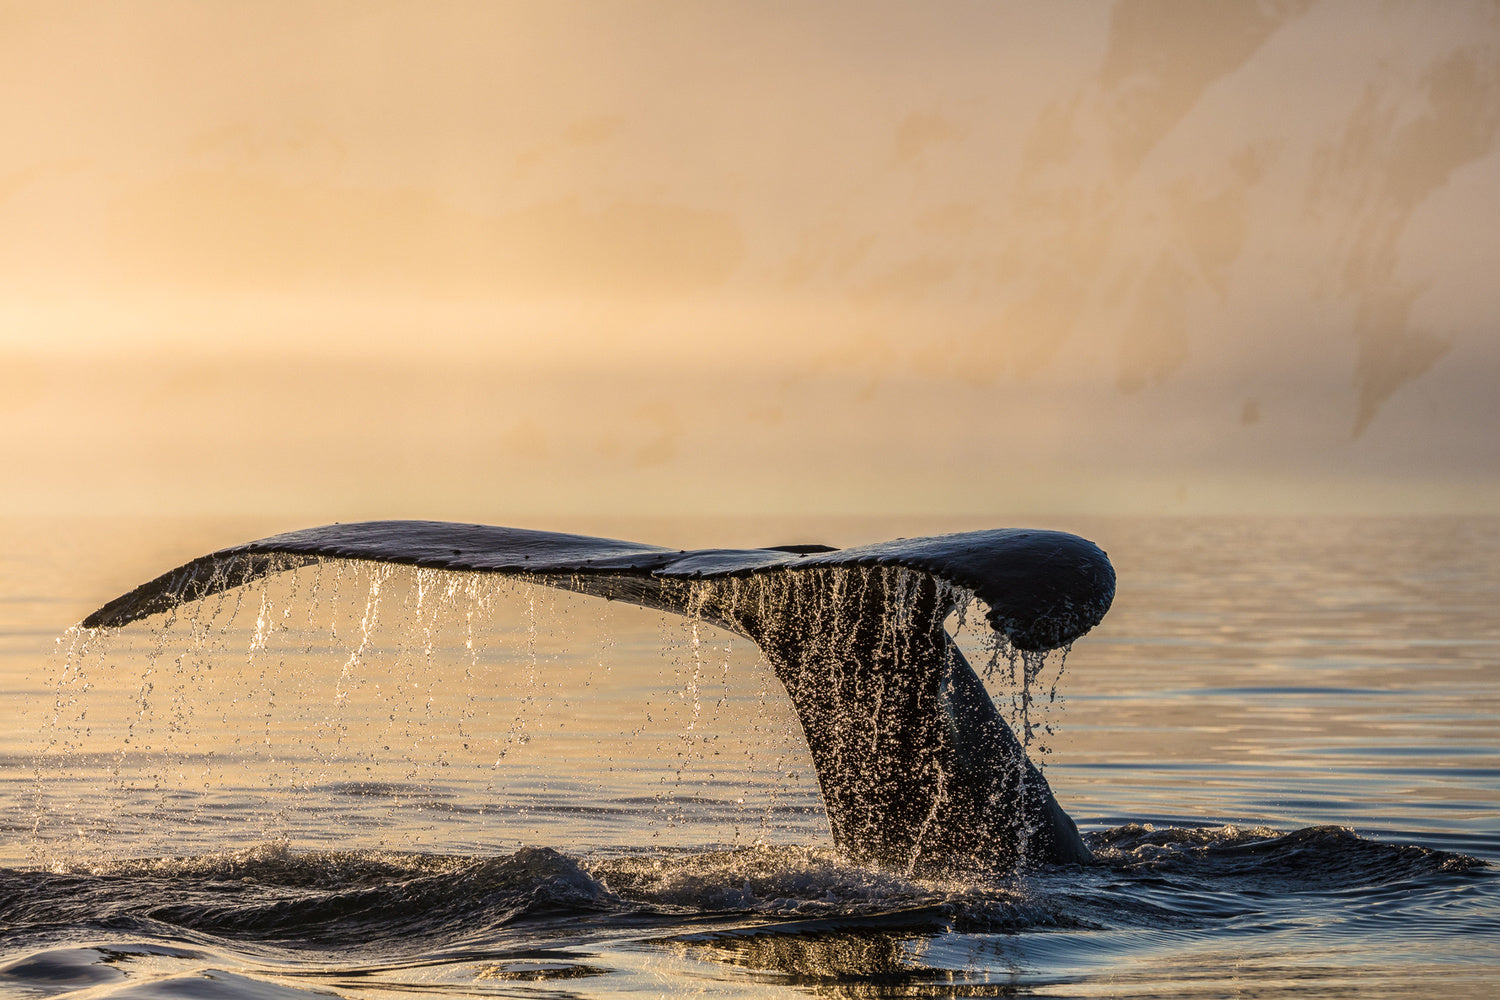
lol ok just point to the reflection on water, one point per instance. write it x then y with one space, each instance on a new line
842 963
373 747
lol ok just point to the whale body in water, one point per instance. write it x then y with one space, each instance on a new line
917 769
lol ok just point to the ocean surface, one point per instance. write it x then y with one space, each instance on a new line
1283 744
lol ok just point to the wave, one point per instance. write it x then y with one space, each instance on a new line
273 894
271 923
1331 858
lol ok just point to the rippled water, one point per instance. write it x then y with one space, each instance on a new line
1281 743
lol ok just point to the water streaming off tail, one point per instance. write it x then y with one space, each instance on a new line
1026 684
351 704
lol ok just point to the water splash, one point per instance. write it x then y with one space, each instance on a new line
416 706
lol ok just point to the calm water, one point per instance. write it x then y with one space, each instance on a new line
1282 742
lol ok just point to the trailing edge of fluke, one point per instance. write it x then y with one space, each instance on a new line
1043 588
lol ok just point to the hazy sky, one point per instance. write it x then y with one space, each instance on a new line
468 260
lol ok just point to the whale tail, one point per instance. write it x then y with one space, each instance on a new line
917 769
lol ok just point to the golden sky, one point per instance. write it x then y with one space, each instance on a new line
475 259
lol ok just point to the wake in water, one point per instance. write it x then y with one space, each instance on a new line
387 920
401 899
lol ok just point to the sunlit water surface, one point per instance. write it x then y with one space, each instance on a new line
1282 743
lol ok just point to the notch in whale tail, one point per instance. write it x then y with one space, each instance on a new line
917 769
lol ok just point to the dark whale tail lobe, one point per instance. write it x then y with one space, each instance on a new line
917 769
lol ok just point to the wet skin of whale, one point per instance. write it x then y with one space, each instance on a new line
917 769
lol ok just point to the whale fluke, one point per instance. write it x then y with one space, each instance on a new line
917 768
